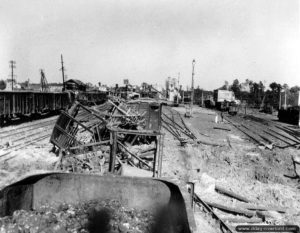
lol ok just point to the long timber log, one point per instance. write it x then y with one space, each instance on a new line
233 210
255 207
221 128
231 194
210 143
241 220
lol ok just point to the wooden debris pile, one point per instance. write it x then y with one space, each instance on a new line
108 137
126 117
136 152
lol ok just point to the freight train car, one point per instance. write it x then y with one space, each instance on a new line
289 108
225 101
27 103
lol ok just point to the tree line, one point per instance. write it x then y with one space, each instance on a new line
255 93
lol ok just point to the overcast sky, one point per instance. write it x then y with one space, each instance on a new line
112 40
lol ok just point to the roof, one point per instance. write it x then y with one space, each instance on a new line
76 81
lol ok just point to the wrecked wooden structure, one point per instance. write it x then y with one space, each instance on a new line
113 137
146 155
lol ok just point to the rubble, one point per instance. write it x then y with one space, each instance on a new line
88 139
119 137
92 216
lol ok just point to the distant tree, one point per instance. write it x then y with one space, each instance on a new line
2 84
225 86
294 89
256 94
26 83
291 95
285 86
273 86
276 89
261 86
261 92
236 88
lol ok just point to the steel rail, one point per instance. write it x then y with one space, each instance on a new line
27 126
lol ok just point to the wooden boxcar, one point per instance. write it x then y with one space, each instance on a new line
25 103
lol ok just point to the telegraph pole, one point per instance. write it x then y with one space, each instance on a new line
12 65
192 93
62 71
178 94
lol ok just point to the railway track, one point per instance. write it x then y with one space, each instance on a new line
6 155
19 134
265 132
26 127
18 138
173 122
205 208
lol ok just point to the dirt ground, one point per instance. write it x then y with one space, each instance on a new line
242 167
239 165
32 159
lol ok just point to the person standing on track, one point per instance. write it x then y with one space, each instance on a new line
222 116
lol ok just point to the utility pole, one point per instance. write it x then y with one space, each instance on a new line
178 94
192 93
62 71
12 65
